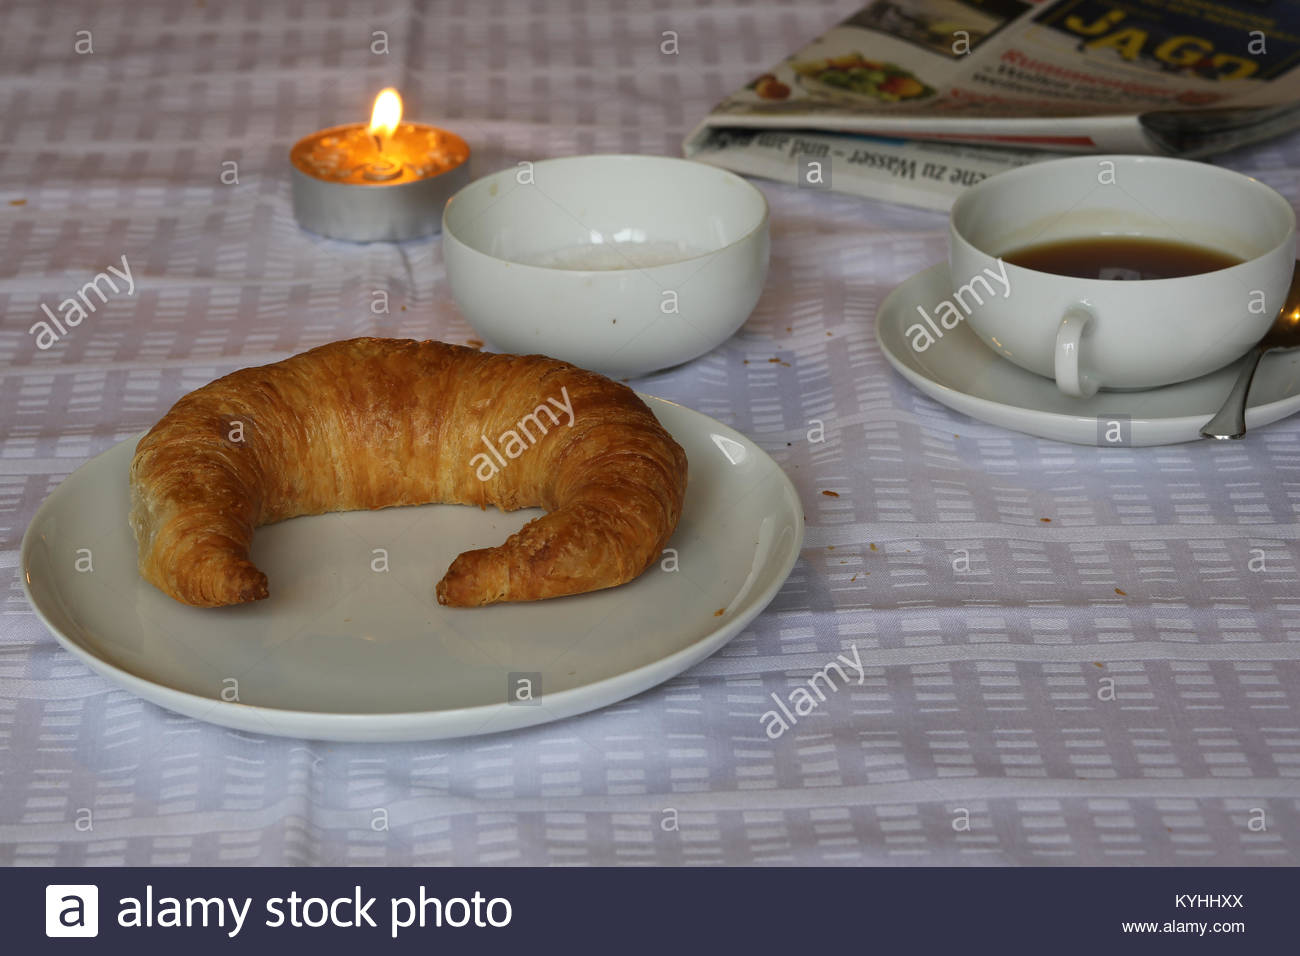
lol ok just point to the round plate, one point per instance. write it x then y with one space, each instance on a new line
352 644
963 373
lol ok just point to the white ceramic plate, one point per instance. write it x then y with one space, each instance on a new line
963 373
344 650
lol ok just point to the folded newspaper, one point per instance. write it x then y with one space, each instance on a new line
913 100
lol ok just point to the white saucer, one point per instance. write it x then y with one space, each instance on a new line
350 646
963 373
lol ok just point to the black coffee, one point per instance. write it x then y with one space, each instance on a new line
1121 257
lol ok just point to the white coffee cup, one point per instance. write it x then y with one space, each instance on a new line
1107 333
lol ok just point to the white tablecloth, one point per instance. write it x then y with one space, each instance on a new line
1023 712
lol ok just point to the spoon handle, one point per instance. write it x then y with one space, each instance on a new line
1230 422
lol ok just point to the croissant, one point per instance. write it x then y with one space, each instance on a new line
373 423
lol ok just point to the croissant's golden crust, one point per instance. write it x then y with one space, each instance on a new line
372 423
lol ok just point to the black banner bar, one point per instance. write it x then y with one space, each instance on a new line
668 911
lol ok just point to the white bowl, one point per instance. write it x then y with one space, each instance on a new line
619 264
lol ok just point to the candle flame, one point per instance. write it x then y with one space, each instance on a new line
387 114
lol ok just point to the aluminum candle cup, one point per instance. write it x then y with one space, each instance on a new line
349 184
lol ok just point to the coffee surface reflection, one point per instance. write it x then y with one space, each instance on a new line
1121 257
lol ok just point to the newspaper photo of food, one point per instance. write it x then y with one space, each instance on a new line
858 77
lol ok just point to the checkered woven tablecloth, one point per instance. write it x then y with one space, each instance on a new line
1022 711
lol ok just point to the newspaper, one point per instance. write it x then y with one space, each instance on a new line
913 100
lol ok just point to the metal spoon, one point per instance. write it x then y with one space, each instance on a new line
1230 422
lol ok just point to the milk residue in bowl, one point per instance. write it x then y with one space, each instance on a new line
607 256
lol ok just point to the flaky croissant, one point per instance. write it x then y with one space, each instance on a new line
371 423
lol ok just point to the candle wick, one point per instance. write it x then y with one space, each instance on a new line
379 143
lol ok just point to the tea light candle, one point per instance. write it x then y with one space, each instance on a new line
384 181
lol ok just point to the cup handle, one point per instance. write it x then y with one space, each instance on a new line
1070 379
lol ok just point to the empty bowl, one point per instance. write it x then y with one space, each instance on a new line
619 264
